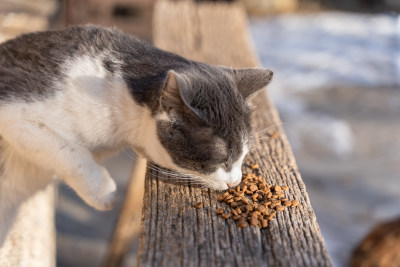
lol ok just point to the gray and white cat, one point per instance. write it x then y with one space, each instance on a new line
67 97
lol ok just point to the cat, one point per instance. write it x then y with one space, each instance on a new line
69 97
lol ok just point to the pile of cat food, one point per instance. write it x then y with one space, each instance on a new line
253 201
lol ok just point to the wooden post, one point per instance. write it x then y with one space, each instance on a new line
173 233
31 241
128 223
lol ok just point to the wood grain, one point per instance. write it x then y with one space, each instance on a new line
128 223
32 239
173 232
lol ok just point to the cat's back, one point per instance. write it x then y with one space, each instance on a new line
32 63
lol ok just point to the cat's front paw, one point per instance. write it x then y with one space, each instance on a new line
103 195
106 202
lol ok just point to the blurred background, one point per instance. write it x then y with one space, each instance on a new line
337 89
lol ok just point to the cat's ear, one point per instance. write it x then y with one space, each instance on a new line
249 81
177 93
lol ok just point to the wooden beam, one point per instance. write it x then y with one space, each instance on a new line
31 241
128 223
173 233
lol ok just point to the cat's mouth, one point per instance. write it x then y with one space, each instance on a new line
218 180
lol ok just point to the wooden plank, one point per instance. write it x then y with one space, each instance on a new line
128 223
173 233
31 241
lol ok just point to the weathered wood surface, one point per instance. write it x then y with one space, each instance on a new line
128 223
173 233
31 241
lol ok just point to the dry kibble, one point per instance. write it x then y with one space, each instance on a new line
234 205
270 217
226 215
249 207
279 207
254 201
198 205
253 188
221 198
261 208
228 197
239 194
287 203
254 221
273 205
237 198
242 224
274 135
248 192
254 166
256 214
264 223
219 211
236 217
239 211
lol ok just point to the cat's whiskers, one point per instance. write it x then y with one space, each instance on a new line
156 168
174 176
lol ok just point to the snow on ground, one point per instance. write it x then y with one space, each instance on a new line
337 88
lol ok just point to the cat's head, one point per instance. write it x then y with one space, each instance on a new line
203 122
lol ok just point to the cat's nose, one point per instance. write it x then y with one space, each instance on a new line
236 178
232 184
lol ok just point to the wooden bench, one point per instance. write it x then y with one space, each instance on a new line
172 232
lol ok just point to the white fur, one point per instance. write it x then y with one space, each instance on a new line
90 114
223 180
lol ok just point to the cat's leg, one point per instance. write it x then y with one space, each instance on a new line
71 162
